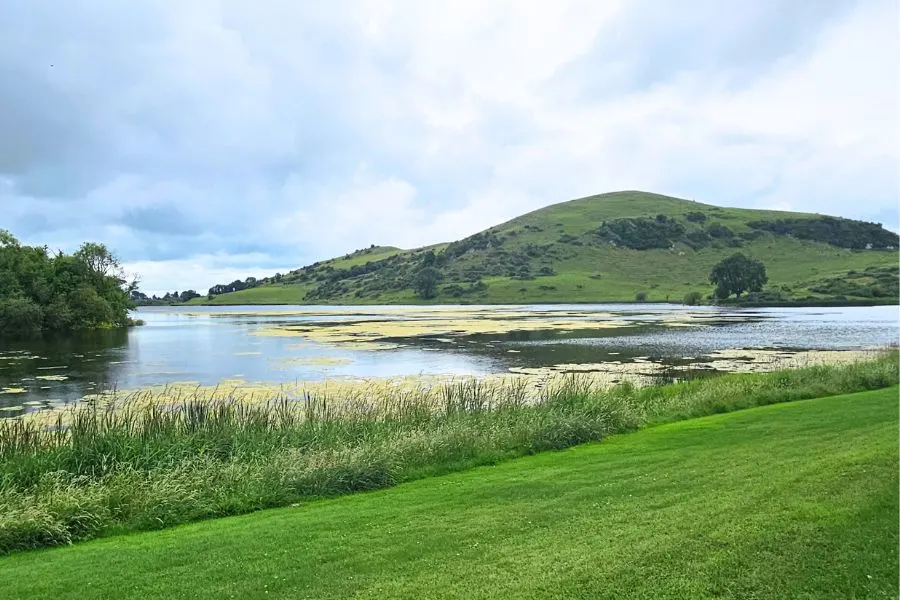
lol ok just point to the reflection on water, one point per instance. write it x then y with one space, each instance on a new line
179 344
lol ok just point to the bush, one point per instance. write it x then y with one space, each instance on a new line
843 233
640 297
20 316
641 233
717 230
696 217
692 298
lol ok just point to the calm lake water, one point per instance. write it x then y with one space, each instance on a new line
179 344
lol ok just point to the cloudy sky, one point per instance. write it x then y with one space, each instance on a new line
206 140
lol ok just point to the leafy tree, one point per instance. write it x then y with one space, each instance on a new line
738 274
426 282
20 316
99 259
428 259
40 291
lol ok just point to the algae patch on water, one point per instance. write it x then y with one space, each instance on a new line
750 360
438 325
310 361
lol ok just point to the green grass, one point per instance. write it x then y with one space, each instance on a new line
269 294
589 272
140 466
794 500
361 257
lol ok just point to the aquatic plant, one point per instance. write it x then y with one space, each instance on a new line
134 463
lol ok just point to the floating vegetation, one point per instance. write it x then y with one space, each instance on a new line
312 361
443 324
642 368
13 356
441 328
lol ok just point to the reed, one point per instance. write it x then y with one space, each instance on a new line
135 463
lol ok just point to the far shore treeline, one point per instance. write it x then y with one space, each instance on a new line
44 291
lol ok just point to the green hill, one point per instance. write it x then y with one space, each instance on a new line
609 247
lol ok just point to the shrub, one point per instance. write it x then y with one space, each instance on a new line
20 316
717 230
692 298
641 233
843 233
640 297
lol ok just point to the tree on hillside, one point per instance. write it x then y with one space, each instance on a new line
426 282
738 274
428 259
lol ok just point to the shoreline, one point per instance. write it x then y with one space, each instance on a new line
529 385
113 472
817 303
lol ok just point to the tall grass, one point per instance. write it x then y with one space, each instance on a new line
138 464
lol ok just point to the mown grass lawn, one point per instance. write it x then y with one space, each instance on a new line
795 500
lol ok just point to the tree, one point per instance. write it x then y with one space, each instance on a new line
428 259
99 259
7 239
738 274
44 291
426 282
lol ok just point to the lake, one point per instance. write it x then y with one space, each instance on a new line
276 344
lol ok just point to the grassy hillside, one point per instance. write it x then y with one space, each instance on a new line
787 501
607 248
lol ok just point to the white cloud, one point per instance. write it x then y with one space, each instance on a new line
198 272
191 137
